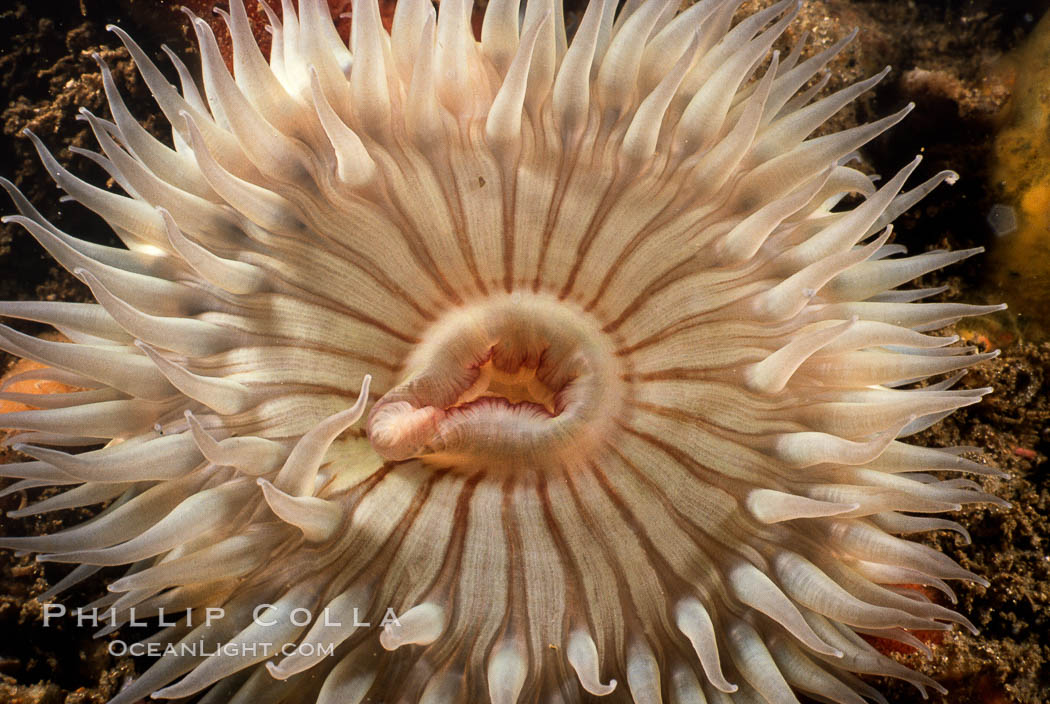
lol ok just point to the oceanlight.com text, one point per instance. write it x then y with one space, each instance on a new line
202 648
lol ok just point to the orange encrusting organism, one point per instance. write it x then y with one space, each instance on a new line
27 386
1020 174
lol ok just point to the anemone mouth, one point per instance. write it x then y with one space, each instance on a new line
523 378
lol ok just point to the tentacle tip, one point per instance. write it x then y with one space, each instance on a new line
166 693
388 640
276 672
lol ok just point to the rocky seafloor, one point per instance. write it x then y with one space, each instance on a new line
966 65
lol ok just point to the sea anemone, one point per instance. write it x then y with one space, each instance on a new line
562 366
